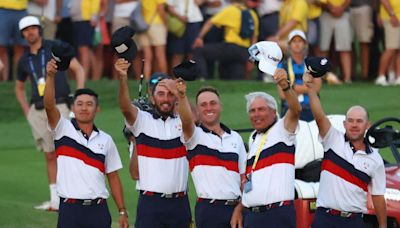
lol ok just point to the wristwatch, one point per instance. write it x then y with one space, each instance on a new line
123 213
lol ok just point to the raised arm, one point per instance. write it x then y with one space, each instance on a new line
53 114
129 112
78 72
178 88
319 115
117 194
293 114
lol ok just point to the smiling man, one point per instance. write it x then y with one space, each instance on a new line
268 191
350 169
216 156
163 167
85 156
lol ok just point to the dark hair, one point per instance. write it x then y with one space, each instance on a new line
207 89
86 91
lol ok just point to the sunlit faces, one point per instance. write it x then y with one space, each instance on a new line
163 100
85 108
356 123
209 108
31 34
260 114
297 45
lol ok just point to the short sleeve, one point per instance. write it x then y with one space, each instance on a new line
242 155
220 19
21 74
377 186
138 124
331 137
113 161
194 140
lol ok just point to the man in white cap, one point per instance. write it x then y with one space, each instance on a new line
295 67
268 191
32 67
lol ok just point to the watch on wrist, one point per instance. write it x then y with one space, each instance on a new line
123 213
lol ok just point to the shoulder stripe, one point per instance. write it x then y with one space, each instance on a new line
338 166
71 143
146 140
278 153
74 153
202 155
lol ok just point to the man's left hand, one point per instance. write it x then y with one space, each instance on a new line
123 221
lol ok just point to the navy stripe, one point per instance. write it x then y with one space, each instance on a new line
66 141
272 150
336 159
158 143
203 150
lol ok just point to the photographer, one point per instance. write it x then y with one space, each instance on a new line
32 66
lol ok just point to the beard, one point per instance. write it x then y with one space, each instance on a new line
164 113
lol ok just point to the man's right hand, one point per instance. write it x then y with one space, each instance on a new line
51 68
122 66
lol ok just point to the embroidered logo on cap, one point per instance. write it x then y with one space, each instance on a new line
121 48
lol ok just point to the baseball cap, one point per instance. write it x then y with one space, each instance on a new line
62 52
122 43
155 78
28 21
296 32
268 54
317 66
187 70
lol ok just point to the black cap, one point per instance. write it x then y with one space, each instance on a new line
317 66
122 43
187 70
63 53
155 78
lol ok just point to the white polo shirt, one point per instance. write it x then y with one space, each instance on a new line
347 175
216 163
273 177
163 166
82 162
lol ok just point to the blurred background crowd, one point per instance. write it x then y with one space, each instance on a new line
360 37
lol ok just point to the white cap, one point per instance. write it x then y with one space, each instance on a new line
28 21
296 32
268 54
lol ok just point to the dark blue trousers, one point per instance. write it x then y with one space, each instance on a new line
80 216
157 212
280 217
213 215
325 220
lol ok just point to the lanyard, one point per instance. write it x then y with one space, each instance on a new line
291 71
35 76
263 139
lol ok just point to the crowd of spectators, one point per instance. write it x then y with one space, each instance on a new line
350 32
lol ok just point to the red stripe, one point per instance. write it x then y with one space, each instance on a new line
212 161
74 153
153 152
277 158
344 174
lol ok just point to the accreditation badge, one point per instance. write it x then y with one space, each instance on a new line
40 86
248 185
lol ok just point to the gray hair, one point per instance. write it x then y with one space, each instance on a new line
271 102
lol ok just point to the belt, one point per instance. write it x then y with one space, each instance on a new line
343 214
231 202
164 195
84 202
264 208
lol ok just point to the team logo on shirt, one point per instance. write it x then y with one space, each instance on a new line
366 165
234 145
178 127
100 146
